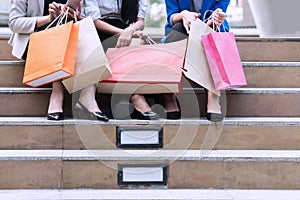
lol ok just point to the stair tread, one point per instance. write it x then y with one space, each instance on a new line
244 63
154 155
271 64
171 194
241 90
281 74
228 121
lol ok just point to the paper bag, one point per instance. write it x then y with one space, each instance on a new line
145 69
196 65
91 62
224 60
51 55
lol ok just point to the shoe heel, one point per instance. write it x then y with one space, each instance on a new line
83 113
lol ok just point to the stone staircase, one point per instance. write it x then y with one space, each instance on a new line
253 154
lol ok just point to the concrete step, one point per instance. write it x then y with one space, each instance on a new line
12 73
240 102
269 49
182 169
233 134
5 49
272 74
258 74
151 194
250 48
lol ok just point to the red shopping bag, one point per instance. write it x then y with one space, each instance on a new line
224 60
145 69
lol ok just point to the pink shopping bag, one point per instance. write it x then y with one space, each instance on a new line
224 60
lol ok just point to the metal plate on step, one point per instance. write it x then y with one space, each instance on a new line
139 137
142 174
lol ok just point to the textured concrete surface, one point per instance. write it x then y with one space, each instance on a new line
280 74
241 102
182 194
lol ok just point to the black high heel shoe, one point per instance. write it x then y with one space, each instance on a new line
174 115
150 115
83 113
214 117
56 116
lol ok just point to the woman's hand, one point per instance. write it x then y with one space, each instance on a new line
54 10
73 14
218 17
125 37
140 34
187 18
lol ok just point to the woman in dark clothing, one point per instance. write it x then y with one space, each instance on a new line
120 21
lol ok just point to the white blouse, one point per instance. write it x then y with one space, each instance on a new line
100 9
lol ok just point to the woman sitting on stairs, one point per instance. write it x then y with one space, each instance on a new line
28 16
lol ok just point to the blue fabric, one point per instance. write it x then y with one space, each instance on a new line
176 6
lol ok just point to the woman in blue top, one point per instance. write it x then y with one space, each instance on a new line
180 14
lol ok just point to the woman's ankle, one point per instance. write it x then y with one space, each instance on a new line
213 105
56 98
88 99
55 105
140 104
170 103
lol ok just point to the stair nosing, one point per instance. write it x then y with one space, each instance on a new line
23 90
228 121
150 194
12 62
237 90
153 155
244 90
244 63
271 64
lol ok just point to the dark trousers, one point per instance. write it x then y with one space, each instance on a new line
177 33
110 41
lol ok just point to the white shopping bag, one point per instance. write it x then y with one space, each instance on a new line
196 67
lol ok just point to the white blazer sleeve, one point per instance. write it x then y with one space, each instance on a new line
19 22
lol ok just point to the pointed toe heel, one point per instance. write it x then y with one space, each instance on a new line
214 117
174 115
150 115
56 116
83 113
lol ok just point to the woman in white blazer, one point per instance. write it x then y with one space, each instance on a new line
28 16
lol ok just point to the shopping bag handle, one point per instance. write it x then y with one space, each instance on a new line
65 16
150 40
147 40
59 19
210 17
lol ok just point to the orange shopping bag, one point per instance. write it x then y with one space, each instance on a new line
51 55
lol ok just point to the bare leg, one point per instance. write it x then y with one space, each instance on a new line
56 98
87 107
170 103
213 104
140 104
87 98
